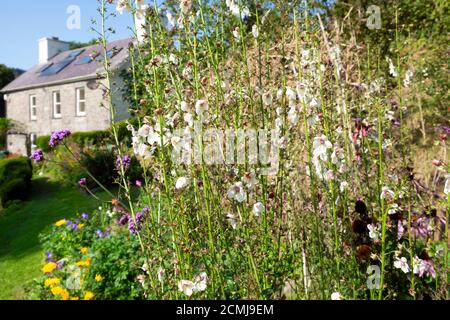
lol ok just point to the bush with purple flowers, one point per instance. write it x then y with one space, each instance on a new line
58 136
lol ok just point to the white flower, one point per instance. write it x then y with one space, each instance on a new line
160 274
258 208
313 103
201 106
171 22
187 287
237 192
144 131
267 98
236 33
447 184
313 120
181 183
393 209
123 5
145 267
110 214
290 94
343 186
200 282
255 31
242 13
232 220
173 59
293 116
185 6
320 146
416 265
392 70
387 193
189 119
336 296
250 180
141 279
401 263
408 76
374 233
190 287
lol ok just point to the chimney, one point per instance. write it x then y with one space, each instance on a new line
49 47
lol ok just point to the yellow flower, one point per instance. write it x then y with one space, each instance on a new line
84 250
51 282
80 226
84 263
65 294
49 267
57 290
98 278
89 295
60 223
74 298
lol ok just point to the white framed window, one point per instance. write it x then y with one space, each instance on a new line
81 102
33 139
33 107
57 105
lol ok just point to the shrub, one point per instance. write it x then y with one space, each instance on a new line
15 178
4 126
42 143
95 257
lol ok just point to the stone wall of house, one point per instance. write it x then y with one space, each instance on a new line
18 144
97 116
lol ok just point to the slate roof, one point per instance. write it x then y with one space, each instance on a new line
33 79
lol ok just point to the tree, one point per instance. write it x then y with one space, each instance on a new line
6 75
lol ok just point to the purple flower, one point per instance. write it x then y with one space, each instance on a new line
84 216
58 136
135 227
124 219
138 183
37 156
49 255
125 161
426 268
82 182
419 227
60 264
99 233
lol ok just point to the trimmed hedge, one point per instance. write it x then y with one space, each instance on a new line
15 178
91 137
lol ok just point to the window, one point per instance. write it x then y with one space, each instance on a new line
33 108
57 104
33 138
81 102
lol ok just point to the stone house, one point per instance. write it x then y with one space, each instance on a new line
64 91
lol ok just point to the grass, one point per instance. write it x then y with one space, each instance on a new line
20 226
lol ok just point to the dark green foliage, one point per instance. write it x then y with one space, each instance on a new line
101 164
42 143
15 178
5 124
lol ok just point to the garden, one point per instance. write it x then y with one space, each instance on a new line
276 150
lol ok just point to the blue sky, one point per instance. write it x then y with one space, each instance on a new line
23 22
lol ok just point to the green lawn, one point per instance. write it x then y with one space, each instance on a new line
20 252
